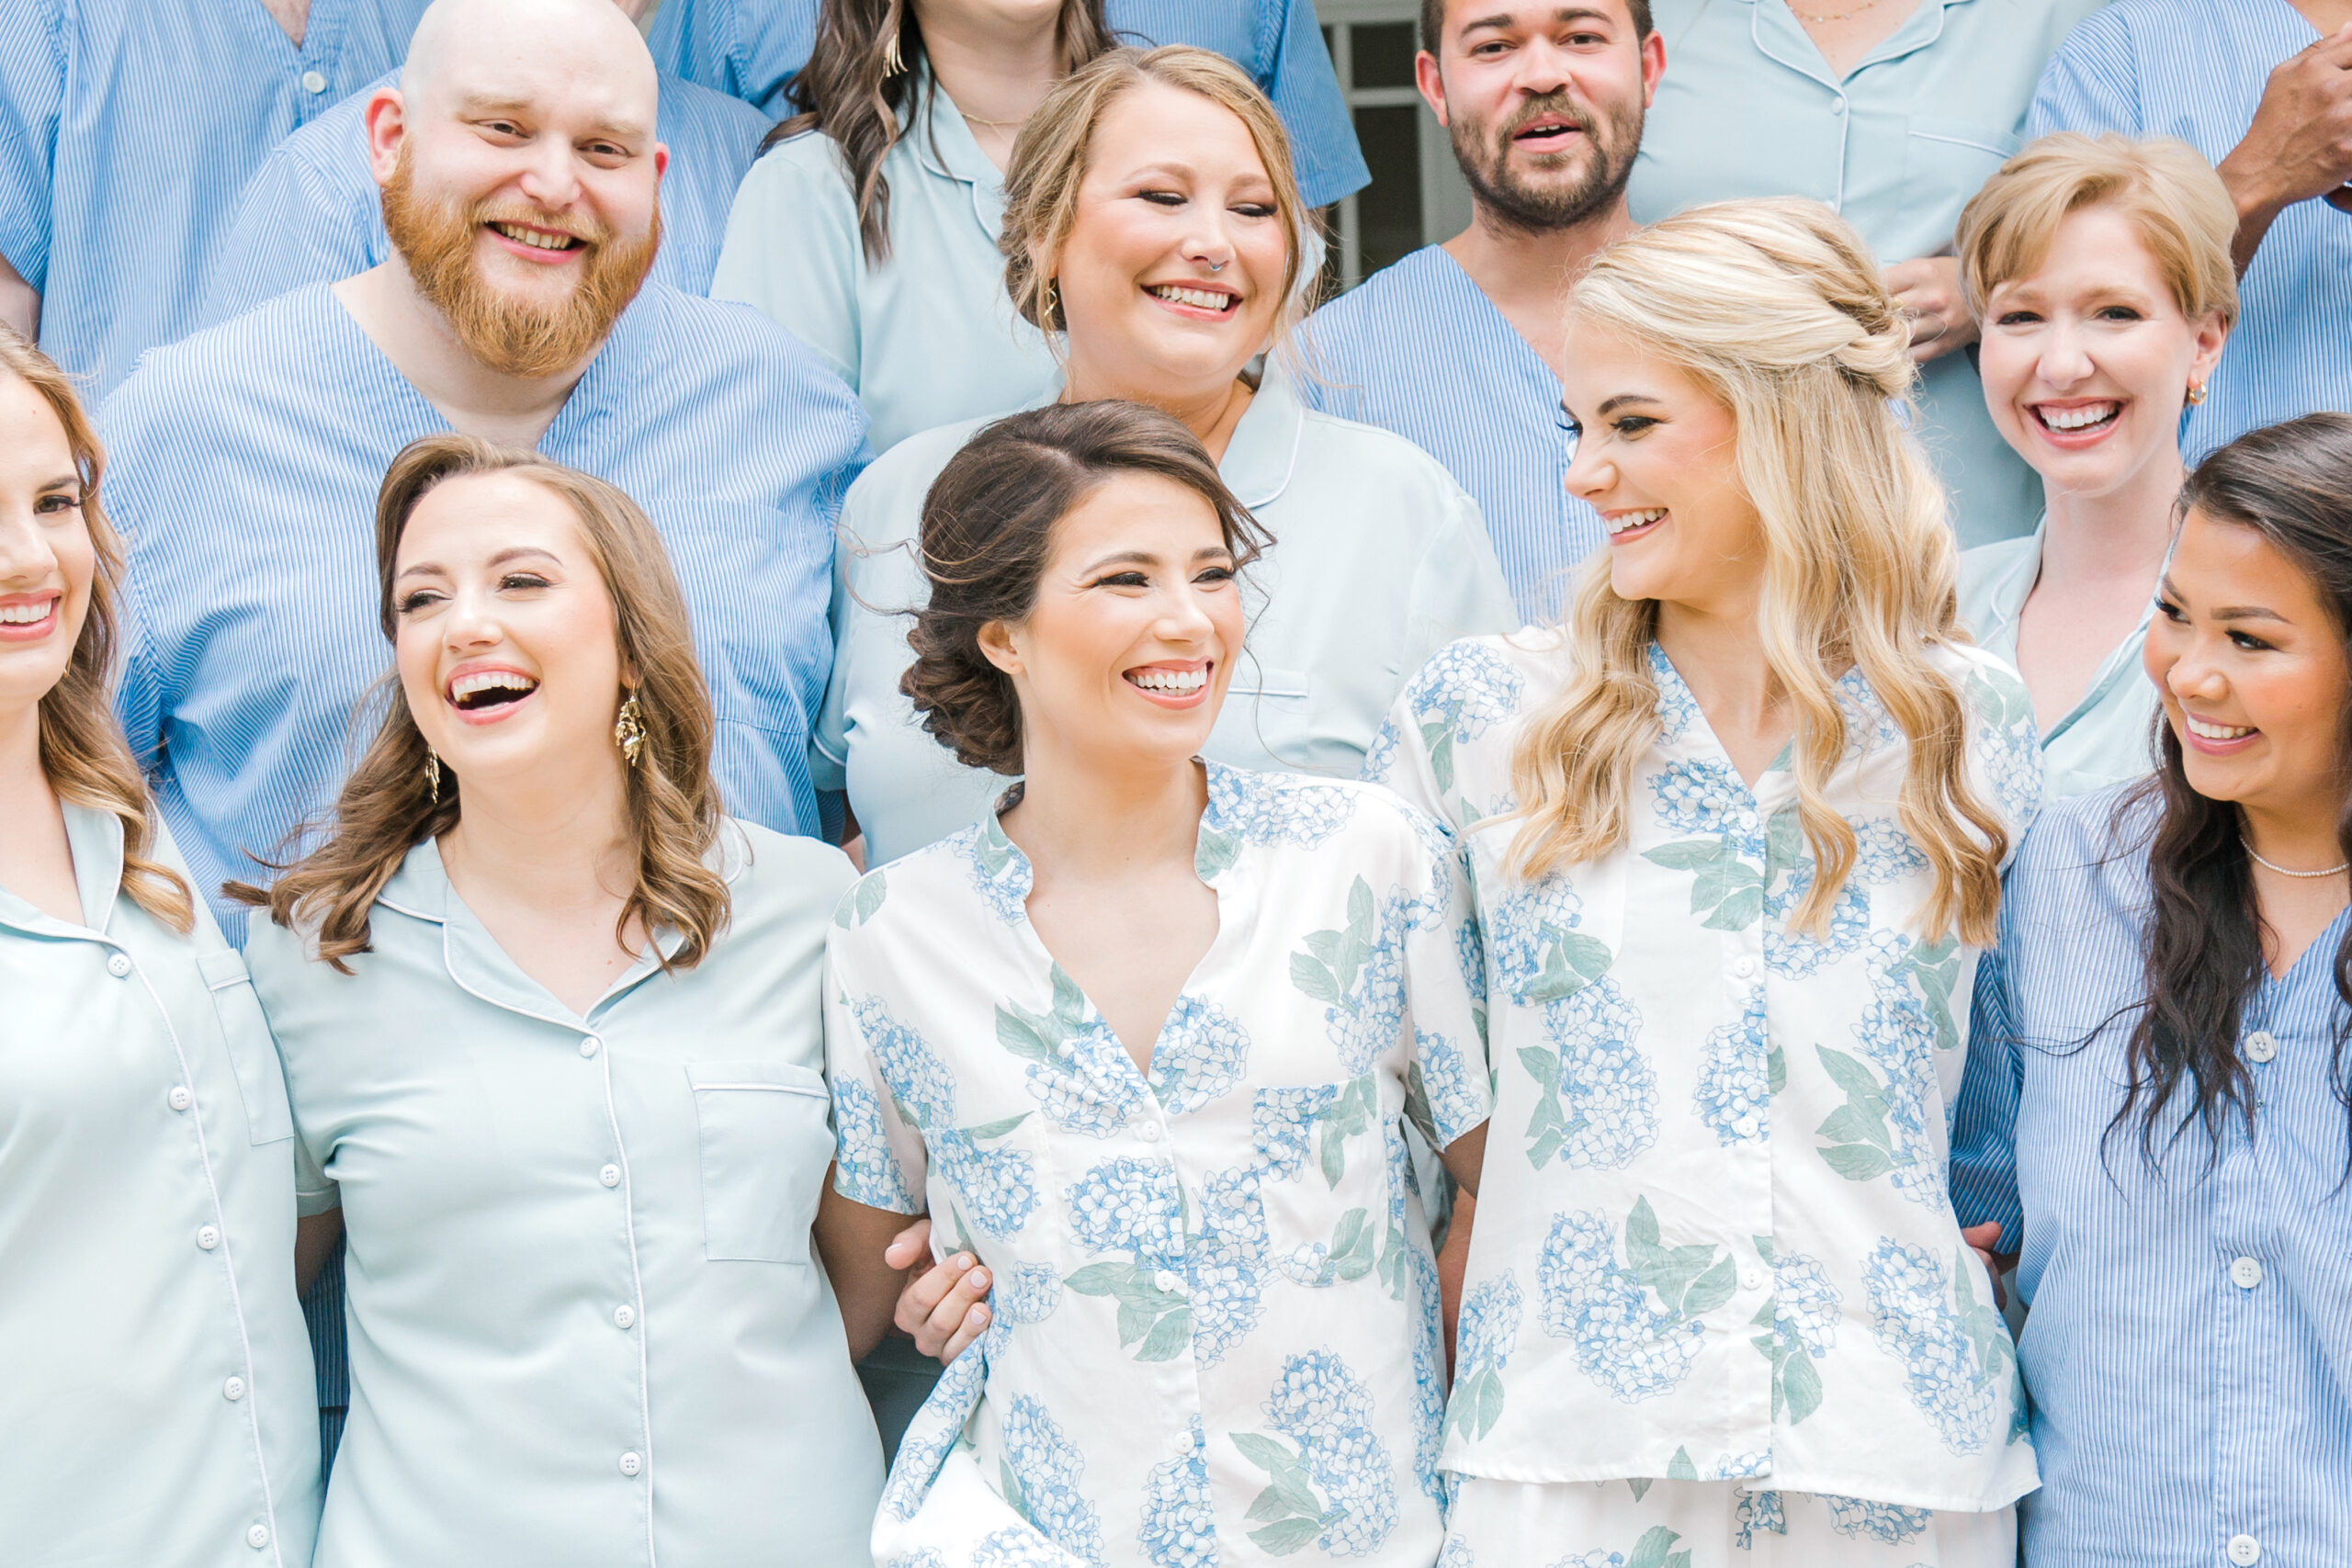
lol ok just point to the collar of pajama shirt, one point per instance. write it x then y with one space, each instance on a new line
580 1285
2197 70
243 468
2104 738
313 213
147 1207
1713 1239
1379 559
1215 1297
926 337
128 127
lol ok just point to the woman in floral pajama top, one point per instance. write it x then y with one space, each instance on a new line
1214 1331
1717 1308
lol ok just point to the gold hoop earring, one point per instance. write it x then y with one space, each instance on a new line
1053 306
2196 393
433 773
628 730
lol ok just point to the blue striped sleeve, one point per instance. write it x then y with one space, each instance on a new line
1298 77
1984 1140
2091 85
294 224
32 94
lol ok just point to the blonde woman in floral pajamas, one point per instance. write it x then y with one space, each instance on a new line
1736 831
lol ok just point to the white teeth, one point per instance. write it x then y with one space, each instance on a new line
2078 419
27 614
1201 297
534 238
2215 731
465 687
1626 520
1179 681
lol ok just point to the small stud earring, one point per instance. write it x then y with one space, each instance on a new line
2196 393
628 730
433 773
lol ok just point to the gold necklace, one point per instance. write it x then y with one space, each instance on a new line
971 118
1836 16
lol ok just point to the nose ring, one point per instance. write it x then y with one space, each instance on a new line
1216 266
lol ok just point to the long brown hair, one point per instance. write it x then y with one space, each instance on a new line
2291 485
860 81
83 751
386 805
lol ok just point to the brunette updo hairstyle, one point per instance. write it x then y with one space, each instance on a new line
987 527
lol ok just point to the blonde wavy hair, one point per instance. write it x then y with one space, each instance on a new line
387 807
1055 149
1780 312
82 752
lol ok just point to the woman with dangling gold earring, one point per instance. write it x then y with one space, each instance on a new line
551 1023
2102 275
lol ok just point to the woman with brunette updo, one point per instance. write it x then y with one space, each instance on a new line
2155 1112
1142 1038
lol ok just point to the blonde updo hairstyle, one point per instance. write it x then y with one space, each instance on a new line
2171 195
1055 149
1780 312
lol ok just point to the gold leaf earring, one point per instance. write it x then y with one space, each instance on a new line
894 63
628 729
1053 305
433 773
2196 393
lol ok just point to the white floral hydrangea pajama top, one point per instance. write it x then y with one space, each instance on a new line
1714 1255
1215 1336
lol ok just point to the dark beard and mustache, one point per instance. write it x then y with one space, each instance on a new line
1608 146
437 241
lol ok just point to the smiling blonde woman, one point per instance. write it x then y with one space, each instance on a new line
1736 829
1155 231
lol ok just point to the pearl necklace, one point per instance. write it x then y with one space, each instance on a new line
2331 870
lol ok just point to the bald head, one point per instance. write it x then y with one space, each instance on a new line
472 47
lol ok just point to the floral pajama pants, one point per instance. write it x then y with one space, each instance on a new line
1708 1524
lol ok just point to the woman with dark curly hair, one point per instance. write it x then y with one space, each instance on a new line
1141 1041
2154 1113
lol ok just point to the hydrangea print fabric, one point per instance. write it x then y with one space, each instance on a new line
1215 1334
1714 1238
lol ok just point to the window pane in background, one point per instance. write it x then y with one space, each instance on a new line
1384 52
1389 209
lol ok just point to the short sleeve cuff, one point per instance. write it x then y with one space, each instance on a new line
310 1203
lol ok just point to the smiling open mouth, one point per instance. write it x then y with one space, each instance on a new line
1623 524
1221 301
537 239
490 689
2205 731
2080 420
1173 686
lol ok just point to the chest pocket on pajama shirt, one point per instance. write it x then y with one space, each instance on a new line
766 1142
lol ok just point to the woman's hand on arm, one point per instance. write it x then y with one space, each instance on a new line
1927 291
314 1239
1982 1239
943 1308
875 1260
